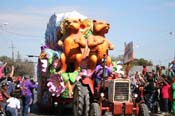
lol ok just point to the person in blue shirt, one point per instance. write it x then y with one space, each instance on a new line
11 85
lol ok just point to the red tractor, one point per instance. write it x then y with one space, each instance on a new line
111 97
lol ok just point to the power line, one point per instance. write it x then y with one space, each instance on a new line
22 34
16 33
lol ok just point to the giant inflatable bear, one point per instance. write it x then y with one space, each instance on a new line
98 44
73 42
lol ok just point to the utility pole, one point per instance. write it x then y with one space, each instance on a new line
12 47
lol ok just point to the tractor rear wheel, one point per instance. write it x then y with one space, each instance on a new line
95 109
80 100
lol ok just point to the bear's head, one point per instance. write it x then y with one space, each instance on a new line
72 25
100 27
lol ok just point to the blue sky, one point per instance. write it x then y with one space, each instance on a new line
145 22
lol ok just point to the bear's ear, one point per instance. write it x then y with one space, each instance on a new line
108 25
94 21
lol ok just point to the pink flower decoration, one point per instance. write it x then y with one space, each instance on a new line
56 85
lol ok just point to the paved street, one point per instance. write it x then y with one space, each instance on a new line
36 112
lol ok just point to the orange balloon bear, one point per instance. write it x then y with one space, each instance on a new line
73 42
98 44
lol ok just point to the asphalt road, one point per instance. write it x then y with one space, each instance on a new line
36 112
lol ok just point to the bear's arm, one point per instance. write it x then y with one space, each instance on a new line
81 41
110 45
95 41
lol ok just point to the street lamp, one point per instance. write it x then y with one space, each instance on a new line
32 56
3 25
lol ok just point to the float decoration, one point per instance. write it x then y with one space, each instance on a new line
72 41
99 44
55 24
56 85
70 76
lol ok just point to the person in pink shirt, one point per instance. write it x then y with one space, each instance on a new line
165 95
1 70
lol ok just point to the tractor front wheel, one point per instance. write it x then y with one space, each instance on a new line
80 100
95 109
143 110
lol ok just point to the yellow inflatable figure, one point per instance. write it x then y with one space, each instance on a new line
98 44
73 41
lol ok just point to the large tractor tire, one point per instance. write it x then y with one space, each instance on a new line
143 110
80 100
95 109
86 102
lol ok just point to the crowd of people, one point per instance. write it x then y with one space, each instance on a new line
16 95
159 88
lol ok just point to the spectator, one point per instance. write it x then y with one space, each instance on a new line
165 96
163 71
145 70
4 93
32 90
11 85
170 100
26 86
1 100
173 89
17 90
13 106
139 79
1 70
150 93
170 74
158 71
172 65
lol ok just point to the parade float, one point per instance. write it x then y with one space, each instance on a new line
74 67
